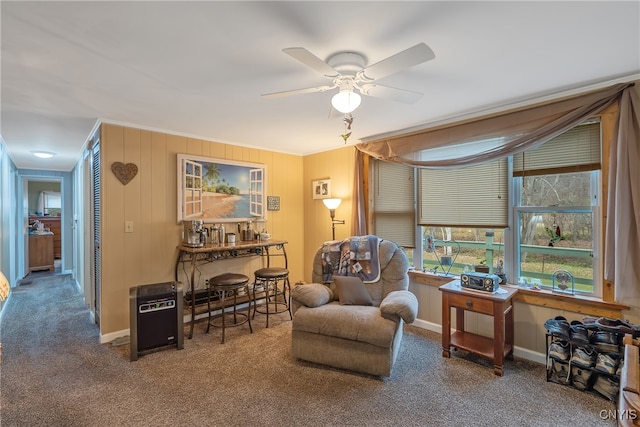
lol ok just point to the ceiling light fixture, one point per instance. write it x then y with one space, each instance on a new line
43 154
346 100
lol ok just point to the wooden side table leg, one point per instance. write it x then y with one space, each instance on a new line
508 331
446 326
498 338
459 319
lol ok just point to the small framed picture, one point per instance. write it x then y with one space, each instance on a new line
273 203
322 189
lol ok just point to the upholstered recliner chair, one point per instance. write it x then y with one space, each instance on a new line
345 322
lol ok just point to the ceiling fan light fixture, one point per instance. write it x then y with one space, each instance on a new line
346 101
43 154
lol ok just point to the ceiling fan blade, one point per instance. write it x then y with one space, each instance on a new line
400 61
312 61
387 92
298 91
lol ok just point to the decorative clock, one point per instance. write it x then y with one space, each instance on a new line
563 281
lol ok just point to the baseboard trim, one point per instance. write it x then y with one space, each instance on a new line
79 288
434 327
522 352
105 338
531 355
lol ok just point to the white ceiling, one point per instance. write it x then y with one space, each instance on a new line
199 68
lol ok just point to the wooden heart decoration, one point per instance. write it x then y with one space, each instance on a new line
124 173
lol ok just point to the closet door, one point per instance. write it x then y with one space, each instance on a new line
95 227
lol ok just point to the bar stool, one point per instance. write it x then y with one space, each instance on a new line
224 286
268 278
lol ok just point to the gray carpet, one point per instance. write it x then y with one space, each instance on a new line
55 373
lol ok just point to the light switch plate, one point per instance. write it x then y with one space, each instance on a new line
128 226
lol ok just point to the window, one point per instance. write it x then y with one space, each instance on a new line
256 204
393 207
474 196
531 214
192 190
555 220
473 246
556 206
51 203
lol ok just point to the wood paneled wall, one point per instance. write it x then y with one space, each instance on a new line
148 254
337 165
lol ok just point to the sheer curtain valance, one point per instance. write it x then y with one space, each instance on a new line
516 132
501 136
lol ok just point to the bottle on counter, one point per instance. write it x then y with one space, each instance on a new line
222 234
215 234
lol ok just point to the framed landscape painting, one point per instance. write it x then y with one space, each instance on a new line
217 190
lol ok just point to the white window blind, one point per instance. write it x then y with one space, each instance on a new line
474 196
394 207
576 150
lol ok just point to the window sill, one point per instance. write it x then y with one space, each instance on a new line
588 306
430 279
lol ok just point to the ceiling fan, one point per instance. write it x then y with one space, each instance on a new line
349 73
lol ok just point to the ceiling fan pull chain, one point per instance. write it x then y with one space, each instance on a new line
348 120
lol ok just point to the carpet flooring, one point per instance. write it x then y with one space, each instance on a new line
55 373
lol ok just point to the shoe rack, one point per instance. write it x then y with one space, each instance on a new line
589 380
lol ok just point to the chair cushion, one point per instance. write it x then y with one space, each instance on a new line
352 291
351 322
312 294
400 303
229 279
271 272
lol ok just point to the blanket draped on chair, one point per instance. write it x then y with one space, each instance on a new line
355 256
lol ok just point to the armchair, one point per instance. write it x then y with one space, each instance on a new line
353 325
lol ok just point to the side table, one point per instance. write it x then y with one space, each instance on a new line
499 305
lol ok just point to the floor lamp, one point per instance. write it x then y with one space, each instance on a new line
332 205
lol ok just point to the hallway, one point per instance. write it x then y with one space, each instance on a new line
29 278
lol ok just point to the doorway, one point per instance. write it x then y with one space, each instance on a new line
42 199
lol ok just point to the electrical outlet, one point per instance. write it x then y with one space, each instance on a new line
128 226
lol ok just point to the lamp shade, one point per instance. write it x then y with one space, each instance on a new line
332 203
346 101
4 287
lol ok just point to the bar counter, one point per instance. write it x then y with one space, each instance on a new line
216 252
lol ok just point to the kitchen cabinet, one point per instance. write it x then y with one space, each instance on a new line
41 252
53 224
